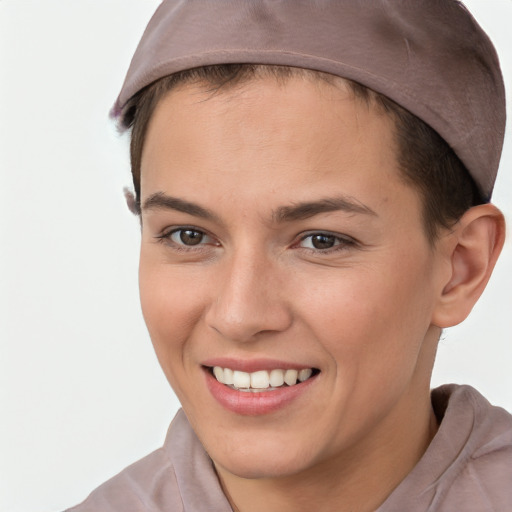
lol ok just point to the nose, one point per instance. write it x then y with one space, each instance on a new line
250 299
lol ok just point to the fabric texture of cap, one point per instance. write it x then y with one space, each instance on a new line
429 56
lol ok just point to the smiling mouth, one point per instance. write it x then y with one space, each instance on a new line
262 380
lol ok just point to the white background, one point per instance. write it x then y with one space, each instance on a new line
81 393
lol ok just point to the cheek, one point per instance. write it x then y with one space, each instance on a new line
375 316
171 307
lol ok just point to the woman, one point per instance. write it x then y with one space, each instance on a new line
313 184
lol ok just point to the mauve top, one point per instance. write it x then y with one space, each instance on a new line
466 468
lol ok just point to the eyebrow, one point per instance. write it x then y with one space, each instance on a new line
298 211
305 210
161 201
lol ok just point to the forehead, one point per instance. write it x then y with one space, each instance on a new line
314 118
269 144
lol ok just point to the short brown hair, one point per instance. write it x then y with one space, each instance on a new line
425 160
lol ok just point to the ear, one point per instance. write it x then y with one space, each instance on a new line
131 202
476 243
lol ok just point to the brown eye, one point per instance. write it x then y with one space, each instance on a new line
190 236
326 241
187 239
322 241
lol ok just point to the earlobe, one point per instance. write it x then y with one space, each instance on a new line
478 240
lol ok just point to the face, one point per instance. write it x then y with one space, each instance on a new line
279 242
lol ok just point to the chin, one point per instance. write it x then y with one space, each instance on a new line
260 469
260 462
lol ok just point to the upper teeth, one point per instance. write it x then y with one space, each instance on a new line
262 379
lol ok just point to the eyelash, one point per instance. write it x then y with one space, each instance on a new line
166 237
340 242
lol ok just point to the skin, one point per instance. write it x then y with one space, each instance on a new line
367 312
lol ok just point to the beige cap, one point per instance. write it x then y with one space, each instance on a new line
429 56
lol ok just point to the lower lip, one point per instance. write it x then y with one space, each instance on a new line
248 403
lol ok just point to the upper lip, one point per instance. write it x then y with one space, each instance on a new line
254 365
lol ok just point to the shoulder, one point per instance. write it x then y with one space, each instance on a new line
483 476
177 477
468 465
146 486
